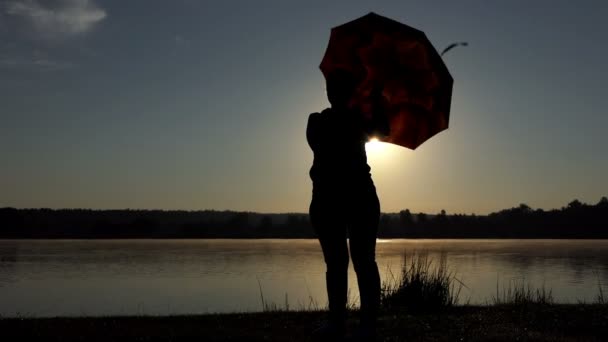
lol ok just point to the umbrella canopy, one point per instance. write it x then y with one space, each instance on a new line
401 62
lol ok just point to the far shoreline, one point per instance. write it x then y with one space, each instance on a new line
575 221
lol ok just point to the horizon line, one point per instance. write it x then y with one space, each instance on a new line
602 199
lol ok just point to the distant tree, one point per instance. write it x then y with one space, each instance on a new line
384 226
238 224
575 220
292 221
440 222
524 208
263 227
265 222
405 218
575 204
385 220
297 225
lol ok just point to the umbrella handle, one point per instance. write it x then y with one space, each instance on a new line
379 125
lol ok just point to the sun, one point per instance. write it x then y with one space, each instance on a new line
374 145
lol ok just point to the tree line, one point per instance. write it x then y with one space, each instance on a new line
575 220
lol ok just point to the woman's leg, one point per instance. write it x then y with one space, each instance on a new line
362 236
332 237
336 259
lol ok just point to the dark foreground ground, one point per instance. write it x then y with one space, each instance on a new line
462 323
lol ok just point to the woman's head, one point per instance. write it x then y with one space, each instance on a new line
340 86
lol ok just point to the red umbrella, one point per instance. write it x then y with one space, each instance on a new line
399 60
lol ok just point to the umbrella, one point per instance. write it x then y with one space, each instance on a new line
400 63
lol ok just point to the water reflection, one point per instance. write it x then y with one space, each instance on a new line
8 263
77 277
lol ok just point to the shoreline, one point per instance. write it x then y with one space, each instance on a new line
505 322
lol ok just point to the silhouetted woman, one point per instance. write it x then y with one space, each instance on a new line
344 203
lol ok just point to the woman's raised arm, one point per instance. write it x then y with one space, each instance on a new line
378 125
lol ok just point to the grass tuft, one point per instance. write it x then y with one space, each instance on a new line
522 293
601 298
422 285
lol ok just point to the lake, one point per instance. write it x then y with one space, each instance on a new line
159 277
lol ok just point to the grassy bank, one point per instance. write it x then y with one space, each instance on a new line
574 322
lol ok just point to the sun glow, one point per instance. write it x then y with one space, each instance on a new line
382 154
375 146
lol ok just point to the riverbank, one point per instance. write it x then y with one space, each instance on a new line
556 322
576 220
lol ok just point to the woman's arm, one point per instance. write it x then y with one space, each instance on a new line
378 125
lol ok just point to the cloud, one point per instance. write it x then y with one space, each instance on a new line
56 19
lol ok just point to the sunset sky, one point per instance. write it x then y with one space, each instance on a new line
203 104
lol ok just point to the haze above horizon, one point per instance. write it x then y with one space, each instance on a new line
199 105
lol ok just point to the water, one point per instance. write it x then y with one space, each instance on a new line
160 277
